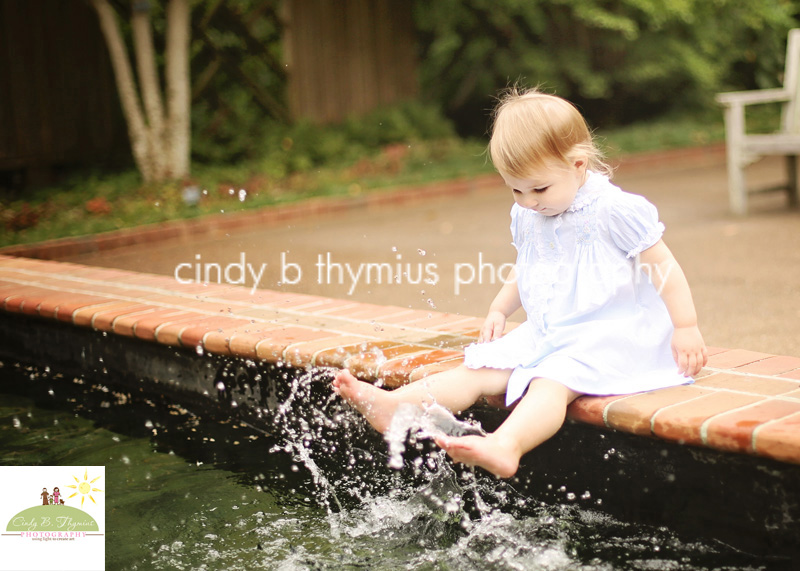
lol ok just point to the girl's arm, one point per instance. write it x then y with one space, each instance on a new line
688 347
505 303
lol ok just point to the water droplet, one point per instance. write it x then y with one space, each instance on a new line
199 350
431 303
421 252
242 194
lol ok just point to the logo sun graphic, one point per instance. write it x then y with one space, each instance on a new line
85 487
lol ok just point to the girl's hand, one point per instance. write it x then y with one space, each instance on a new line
689 350
493 327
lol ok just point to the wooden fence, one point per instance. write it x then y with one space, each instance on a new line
348 56
58 101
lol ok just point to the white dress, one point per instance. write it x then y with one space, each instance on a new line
595 320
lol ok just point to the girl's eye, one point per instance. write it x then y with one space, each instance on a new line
542 189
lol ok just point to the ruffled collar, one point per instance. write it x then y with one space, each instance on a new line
589 192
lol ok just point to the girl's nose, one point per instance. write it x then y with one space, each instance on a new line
529 201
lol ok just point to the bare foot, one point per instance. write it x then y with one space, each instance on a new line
491 453
375 404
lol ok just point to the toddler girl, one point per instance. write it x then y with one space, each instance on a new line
608 308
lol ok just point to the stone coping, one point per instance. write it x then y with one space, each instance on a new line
743 401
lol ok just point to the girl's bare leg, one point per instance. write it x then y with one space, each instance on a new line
537 417
456 389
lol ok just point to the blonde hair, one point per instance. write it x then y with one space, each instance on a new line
532 129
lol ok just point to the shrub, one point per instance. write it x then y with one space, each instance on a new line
620 61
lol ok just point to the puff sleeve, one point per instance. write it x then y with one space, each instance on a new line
633 223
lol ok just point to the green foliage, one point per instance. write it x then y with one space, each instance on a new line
620 61
304 145
272 162
238 77
410 121
89 202
286 148
667 132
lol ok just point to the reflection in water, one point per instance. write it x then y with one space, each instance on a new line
192 488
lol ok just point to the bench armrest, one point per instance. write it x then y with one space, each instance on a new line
753 97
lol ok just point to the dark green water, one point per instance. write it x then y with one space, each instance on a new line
188 489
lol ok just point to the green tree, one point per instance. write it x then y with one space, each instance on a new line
620 60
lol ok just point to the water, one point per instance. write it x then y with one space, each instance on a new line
428 422
188 488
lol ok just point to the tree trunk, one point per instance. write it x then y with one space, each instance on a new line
178 133
137 130
160 141
149 87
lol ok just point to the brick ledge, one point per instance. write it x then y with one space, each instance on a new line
744 401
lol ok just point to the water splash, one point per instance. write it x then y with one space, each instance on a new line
300 433
324 487
426 422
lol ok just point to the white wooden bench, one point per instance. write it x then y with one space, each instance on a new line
744 149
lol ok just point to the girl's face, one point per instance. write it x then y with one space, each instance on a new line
550 190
